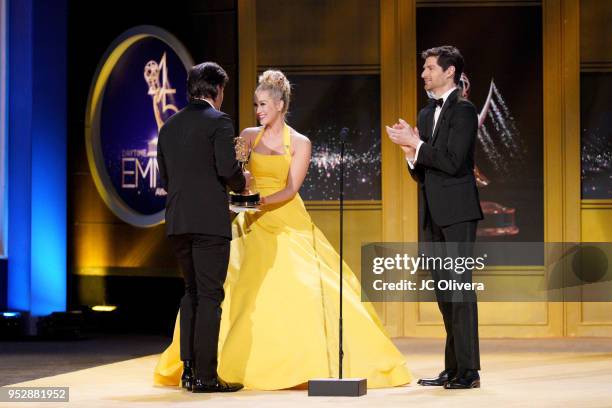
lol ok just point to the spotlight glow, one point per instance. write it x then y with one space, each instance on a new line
104 308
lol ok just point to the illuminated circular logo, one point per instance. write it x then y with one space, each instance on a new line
139 84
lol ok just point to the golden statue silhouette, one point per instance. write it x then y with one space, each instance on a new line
159 92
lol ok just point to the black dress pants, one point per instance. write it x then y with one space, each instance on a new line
459 308
203 260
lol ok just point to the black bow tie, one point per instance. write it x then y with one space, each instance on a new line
437 102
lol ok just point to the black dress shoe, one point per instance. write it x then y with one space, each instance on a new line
187 377
215 385
442 378
469 379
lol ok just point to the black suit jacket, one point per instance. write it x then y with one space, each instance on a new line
197 162
445 165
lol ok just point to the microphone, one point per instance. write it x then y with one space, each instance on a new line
344 134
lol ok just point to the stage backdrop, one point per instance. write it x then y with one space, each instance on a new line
330 51
323 107
139 84
502 47
596 126
502 44
593 319
111 259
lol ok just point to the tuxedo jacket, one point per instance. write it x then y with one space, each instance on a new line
197 162
444 167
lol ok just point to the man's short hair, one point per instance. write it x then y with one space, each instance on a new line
447 56
203 80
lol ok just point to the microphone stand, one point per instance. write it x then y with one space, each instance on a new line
340 387
343 134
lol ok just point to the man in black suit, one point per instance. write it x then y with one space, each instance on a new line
443 165
197 162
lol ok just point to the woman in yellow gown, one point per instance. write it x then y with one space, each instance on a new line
279 326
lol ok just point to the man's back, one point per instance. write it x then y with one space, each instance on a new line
197 161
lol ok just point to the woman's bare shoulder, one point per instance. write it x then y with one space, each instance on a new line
250 132
299 139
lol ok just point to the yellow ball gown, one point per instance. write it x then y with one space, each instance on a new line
279 325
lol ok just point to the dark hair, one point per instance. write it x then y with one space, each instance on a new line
203 80
447 56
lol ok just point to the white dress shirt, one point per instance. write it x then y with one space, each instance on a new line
213 106
437 112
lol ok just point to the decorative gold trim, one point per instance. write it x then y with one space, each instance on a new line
398 75
562 139
324 69
247 62
398 99
603 325
596 204
476 3
541 324
596 66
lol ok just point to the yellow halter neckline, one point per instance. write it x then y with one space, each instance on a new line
286 141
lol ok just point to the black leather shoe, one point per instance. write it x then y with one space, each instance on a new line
442 378
469 379
215 385
187 377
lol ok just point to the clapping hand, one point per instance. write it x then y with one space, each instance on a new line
403 134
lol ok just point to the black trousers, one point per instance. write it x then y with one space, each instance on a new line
203 260
459 308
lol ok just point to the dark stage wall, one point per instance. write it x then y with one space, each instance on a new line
110 261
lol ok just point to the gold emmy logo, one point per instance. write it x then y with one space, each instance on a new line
159 92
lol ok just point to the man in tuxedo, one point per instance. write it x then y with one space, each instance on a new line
197 162
442 162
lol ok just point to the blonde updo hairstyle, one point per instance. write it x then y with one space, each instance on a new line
278 85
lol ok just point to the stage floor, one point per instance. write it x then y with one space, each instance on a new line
516 373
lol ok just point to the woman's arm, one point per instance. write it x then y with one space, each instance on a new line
249 135
297 172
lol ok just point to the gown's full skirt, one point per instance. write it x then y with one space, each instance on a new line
279 325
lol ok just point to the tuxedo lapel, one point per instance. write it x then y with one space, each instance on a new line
429 117
452 98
